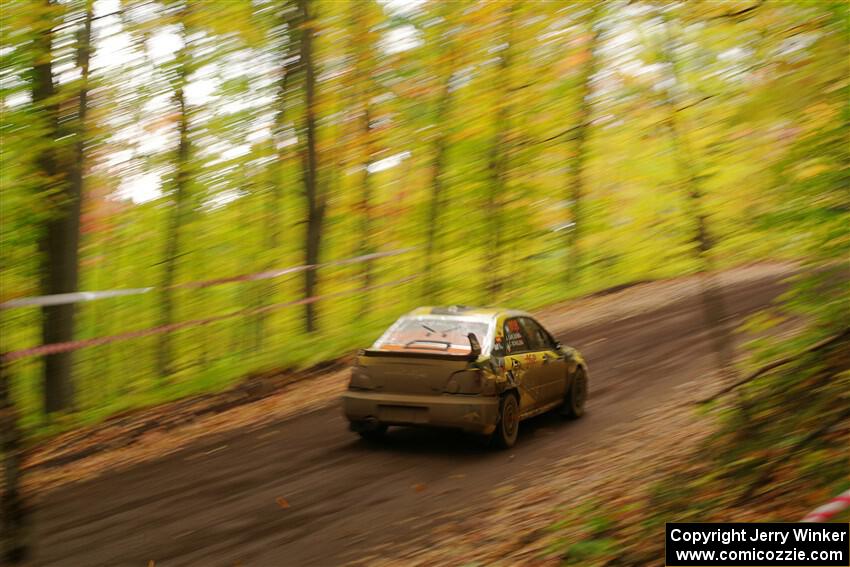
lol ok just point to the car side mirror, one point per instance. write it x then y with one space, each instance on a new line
474 346
558 346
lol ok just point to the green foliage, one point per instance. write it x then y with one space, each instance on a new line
764 113
780 444
596 545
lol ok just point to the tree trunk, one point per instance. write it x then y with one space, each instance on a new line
363 40
432 284
59 245
365 228
499 167
316 199
78 169
433 287
178 212
273 204
14 535
714 309
576 194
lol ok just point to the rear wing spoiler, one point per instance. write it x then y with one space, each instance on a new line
417 354
474 352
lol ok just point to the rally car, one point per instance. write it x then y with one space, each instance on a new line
479 370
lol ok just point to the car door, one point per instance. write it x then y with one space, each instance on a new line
520 364
551 369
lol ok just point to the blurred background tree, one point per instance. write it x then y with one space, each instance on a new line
530 152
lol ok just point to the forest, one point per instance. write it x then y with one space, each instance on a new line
524 152
258 185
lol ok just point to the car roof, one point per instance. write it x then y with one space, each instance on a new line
467 311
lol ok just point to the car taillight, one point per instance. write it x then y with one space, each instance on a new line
466 382
359 380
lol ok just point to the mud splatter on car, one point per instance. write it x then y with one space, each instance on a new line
478 370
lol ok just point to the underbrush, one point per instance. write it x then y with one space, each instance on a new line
778 451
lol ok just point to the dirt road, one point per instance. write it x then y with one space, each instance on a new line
217 502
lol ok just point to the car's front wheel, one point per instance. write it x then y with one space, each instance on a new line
507 429
576 396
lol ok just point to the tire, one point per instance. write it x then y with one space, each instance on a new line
576 396
507 429
373 434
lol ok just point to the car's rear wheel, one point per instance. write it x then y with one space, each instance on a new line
576 396
507 429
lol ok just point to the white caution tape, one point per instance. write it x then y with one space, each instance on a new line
81 296
69 346
75 297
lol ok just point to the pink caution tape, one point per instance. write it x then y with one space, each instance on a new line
830 509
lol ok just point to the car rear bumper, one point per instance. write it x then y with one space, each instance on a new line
477 414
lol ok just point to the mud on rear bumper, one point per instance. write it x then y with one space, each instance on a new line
477 414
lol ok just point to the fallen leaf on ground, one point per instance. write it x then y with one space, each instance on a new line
503 490
282 502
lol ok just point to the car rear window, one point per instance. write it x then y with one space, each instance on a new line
432 335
